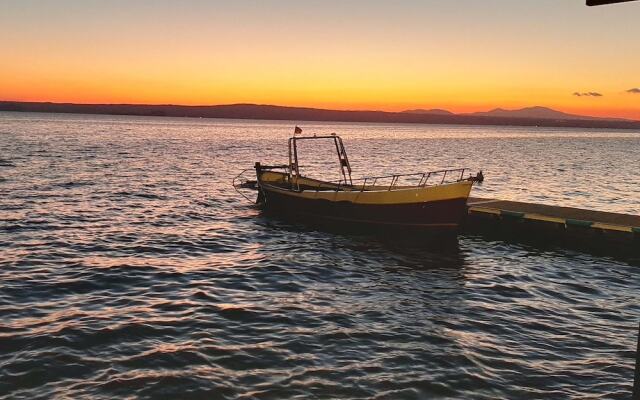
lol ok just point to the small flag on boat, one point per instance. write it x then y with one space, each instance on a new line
297 130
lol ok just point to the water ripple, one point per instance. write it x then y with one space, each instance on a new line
129 269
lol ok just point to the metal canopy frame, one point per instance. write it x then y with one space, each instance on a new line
343 160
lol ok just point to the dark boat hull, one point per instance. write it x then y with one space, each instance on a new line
441 214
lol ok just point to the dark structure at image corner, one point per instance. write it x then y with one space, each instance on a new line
603 2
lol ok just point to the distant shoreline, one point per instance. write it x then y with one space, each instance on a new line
280 113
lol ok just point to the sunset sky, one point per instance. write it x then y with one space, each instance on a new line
464 55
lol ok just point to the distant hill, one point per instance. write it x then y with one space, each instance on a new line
430 111
269 112
536 112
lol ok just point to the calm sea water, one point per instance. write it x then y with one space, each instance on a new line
129 268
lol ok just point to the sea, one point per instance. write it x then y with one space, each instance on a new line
131 268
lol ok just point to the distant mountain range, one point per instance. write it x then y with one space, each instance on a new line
536 112
531 116
438 111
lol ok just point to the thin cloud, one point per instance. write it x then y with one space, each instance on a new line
634 90
587 94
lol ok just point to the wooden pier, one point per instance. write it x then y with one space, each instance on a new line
552 224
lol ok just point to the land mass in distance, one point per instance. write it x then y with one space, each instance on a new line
531 116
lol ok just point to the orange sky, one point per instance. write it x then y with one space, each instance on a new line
467 56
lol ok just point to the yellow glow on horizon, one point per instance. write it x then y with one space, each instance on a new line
378 85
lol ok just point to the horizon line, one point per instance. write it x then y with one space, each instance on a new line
312 108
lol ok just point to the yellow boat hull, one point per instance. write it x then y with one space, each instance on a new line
439 206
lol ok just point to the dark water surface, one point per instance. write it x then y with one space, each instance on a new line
129 268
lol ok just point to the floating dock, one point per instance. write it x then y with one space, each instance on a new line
568 225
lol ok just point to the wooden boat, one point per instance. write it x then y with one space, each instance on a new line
435 199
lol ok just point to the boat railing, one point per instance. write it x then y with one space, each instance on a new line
431 178
384 182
